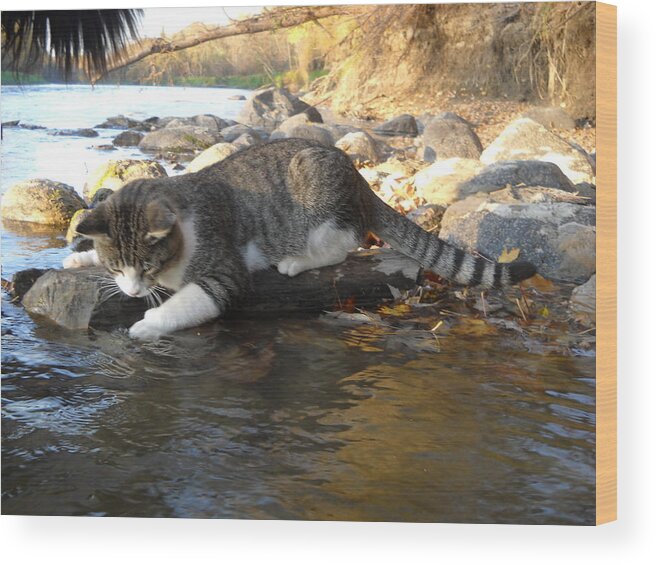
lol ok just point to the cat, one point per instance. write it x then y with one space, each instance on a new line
291 203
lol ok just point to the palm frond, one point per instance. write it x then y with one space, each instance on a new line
73 38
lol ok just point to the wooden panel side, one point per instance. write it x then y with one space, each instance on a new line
606 85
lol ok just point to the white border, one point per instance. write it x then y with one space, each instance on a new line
82 540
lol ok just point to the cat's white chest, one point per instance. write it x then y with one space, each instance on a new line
173 277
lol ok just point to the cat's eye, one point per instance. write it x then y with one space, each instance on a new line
116 271
149 269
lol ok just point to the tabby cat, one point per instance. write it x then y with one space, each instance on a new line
291 203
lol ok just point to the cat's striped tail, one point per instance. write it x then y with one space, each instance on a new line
443 258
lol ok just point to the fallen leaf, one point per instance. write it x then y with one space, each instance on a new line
396 310
508 256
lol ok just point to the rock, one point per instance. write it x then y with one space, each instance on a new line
403 125
451 138
237 97
360 146
71 233
314 133
230 133
515 173
270 106
211 155
550 227
550 117
104 147
427 154
41 201
113 175
184 139
22 281
119 122
440 183
428 217
525 139
10 124
128 138
245 140
208 121
82 132
583 302
301 119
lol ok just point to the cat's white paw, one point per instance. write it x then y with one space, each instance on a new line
73 261
146 331
291 266
81 259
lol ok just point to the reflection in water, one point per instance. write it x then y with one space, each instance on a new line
293 419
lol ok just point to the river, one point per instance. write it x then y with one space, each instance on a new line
278 418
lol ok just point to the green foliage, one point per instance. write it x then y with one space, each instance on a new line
9 78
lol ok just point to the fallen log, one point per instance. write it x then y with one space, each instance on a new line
77 299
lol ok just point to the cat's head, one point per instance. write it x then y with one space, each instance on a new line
136 237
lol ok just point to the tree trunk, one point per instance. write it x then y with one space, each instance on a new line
73 298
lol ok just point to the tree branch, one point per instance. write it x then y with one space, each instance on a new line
268 20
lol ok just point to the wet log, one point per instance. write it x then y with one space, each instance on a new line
76 299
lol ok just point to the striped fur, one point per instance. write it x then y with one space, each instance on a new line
292 204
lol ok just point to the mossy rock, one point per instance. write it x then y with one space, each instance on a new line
71 233
183 139
41 201
114 175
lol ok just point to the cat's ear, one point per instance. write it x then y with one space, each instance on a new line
161 219
95 225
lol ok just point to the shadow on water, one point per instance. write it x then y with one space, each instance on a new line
293 419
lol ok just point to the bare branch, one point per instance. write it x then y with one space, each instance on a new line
268 20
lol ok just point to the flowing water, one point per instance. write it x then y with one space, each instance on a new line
298 419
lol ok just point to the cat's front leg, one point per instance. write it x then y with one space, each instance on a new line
188 307
81 259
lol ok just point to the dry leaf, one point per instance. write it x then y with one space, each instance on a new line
396 310
508 256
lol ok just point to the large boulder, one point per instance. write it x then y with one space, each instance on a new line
208 121
526 139
128 138
114 175
269 107
550 117
550 227
516 173
448 138
360 146
182 139
403 125
301 119
41 201
441 182
211 155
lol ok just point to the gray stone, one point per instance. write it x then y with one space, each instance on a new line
440 183
128 139
41 201
451 138
583 302
270 106
246 140
211 155
550 227
360 146
515 173
230 133
237 97
428 217
314 133
184 139
550 117
525 139
403 125
119 122
82 132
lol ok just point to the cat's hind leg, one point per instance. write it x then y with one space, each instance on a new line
326 245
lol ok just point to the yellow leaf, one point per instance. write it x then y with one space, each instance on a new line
508 256
544 312
396 310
